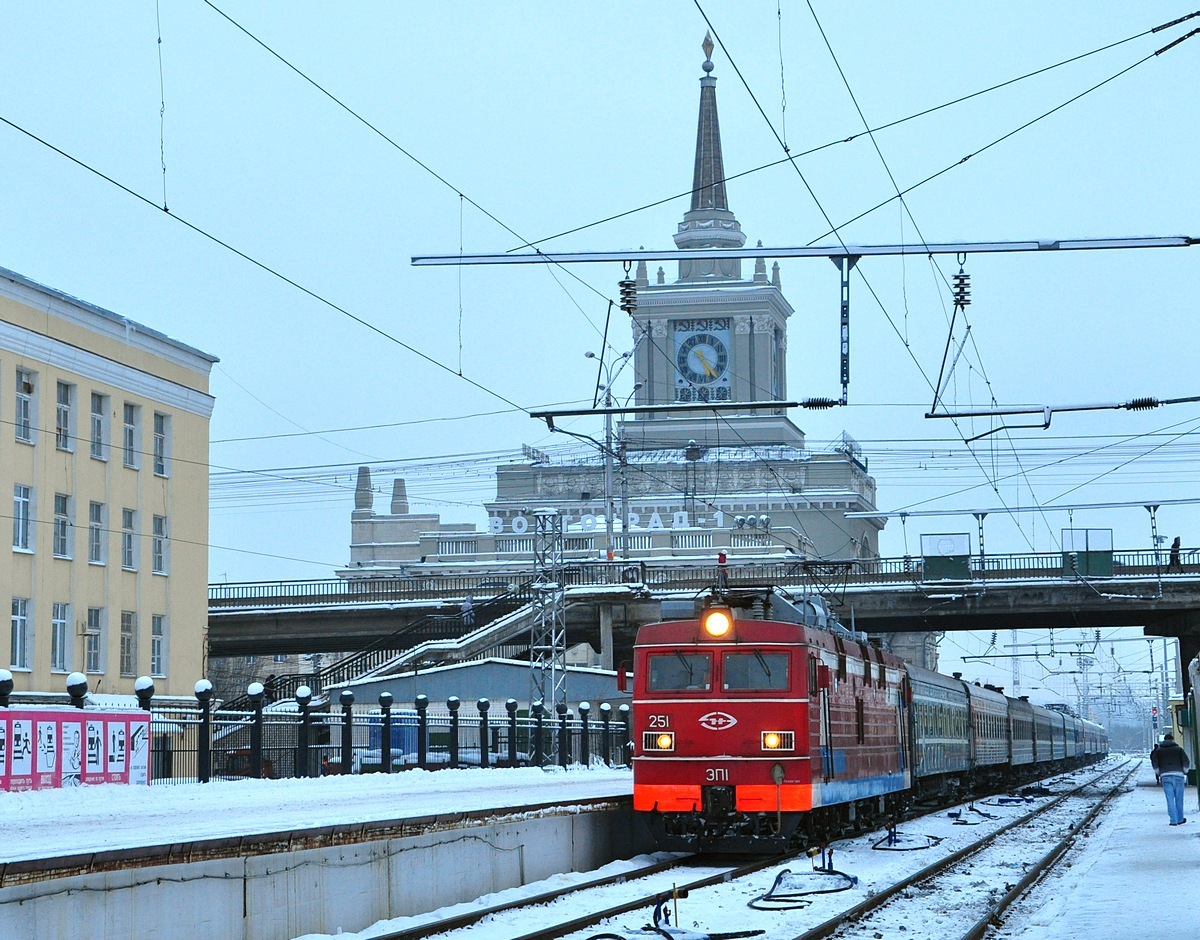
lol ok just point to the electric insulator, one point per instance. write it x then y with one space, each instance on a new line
628 289
818 403
1142 404
962 289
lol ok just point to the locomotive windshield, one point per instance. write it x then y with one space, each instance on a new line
755 671
677 672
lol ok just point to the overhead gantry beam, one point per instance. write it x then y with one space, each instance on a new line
810 251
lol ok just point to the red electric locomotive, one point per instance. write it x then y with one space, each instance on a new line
761 726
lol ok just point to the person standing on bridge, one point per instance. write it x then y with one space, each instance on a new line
468 612
1170 763
1173 562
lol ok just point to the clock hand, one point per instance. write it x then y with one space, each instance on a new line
712 373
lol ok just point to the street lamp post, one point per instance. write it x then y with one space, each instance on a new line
610 371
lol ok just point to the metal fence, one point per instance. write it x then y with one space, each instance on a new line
202 744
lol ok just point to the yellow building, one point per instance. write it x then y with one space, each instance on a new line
104 448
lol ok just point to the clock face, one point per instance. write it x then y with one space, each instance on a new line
702 360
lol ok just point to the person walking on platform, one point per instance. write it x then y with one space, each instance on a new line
1170 763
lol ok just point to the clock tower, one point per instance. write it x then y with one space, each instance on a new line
711 336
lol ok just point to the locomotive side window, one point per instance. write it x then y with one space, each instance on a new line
679 672
755 671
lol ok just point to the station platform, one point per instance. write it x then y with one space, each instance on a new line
275 859
1130 880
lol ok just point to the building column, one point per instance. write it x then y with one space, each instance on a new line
606 636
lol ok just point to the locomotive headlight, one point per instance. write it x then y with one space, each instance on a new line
717 622
658 740
779 740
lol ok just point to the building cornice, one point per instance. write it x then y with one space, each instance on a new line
88 365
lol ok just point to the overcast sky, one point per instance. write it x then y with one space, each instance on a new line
553 116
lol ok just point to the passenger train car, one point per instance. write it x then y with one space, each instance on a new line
762 725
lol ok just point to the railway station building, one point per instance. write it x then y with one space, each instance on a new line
678 487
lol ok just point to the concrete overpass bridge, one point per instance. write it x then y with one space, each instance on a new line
612 599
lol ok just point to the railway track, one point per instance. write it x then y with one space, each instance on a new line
968 914
671 883
965 875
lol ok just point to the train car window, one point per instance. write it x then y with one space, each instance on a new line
754 671
812 675
678 672
841 667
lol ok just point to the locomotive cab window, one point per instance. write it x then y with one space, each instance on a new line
680 672
755 671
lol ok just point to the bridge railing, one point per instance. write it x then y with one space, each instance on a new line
908 568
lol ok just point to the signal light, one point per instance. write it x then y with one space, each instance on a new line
658 740
717 622
1154 712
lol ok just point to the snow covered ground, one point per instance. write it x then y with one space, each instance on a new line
1133 855
1107 889
49 823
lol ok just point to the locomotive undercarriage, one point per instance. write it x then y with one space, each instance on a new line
719 828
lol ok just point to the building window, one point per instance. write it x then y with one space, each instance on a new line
128 643
279 658
59 634
63 438
22 517
25 409
129 442
128 539
95 633
20 633
162 443
62 526
99 435
158 645
158 545
96 533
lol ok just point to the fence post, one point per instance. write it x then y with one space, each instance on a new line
255 692
606 732
511 707
422 704
564 735
303 697
347 701
453 704
6 687
626 745
385 732
77 688
585 741
485 742
203 692
143 688
539 713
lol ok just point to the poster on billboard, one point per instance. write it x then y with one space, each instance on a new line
65 747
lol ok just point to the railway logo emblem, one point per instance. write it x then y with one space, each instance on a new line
717 721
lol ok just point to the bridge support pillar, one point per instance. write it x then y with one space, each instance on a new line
606 636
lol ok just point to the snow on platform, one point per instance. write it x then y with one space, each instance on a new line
42 824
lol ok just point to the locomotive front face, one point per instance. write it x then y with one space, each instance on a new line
721 719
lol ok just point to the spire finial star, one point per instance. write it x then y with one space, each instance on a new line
707 46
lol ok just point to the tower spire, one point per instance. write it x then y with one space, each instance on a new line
709 223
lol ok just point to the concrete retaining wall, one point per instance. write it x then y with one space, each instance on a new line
286 894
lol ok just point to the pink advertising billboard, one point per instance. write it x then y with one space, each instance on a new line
66 747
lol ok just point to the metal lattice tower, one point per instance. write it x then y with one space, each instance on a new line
548 635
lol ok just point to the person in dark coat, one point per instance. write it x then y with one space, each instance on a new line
1174 563
1170 763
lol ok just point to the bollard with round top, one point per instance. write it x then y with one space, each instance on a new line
77 688
143 688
